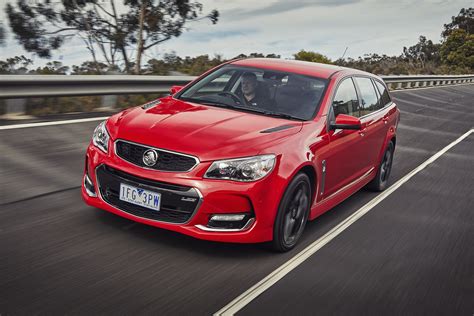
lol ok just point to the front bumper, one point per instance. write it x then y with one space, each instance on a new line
213 197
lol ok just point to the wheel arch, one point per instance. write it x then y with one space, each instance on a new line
311 173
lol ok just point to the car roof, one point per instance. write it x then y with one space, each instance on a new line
324 71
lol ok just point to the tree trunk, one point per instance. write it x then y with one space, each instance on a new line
125 59
138 59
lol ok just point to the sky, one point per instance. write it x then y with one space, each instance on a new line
284 27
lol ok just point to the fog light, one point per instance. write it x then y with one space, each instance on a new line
89 186
228 217
229 222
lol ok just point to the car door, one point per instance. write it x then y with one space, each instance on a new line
345 155
372 118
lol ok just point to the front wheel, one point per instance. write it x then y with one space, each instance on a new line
380 182
292 214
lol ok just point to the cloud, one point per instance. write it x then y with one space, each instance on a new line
219 34
283 6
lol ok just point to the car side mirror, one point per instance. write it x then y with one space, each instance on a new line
175 89
344 121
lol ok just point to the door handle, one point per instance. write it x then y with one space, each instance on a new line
363 131
385 119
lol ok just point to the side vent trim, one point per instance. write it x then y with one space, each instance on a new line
277 129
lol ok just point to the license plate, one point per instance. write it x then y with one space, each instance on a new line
140 197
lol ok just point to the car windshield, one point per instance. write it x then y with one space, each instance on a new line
268 92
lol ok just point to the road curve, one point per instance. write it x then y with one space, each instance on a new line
411 254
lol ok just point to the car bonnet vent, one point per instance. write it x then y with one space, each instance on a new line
277 129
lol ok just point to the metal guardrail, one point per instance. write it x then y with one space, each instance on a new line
24 86
15 88
417 81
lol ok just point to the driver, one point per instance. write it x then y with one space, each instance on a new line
252 95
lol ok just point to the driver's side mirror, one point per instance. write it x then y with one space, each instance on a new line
344 121
175 89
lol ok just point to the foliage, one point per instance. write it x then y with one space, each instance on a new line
55 105
312 57
458 49
51 68
464 21
44 26
15 65
424 51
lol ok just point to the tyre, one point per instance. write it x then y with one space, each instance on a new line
293 213
380 182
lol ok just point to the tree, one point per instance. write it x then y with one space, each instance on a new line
312 57
46 25
458 49
15 65
92 68
52 68
256 55
464 20
424 51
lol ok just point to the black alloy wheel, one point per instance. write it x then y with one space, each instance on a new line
380 182
292 214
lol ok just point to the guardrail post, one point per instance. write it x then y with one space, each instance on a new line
399 85
109 102
408 86
15 107
417 84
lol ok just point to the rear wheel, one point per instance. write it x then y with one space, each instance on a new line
292 214
380 182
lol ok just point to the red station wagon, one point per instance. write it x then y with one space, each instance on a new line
247 152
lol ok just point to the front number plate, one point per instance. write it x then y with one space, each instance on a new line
141 197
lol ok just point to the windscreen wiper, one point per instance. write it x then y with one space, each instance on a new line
271 113
210 102
283 115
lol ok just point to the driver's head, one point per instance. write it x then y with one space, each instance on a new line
249 83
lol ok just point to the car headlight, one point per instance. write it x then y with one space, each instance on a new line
101 137
241 169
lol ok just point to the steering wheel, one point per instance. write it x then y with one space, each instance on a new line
234 96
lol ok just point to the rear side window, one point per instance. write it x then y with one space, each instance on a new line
345 100
385 98
368 95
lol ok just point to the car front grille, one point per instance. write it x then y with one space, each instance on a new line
167 161
178 203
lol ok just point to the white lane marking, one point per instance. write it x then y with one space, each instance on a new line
15 126
248 296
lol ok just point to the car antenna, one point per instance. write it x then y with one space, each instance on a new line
344 52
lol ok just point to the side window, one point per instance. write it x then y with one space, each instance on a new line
368 96
345 100
385 98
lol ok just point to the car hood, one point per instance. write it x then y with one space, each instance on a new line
204 131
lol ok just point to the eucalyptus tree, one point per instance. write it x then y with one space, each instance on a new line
117 32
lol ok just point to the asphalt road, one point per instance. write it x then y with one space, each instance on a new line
412 254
